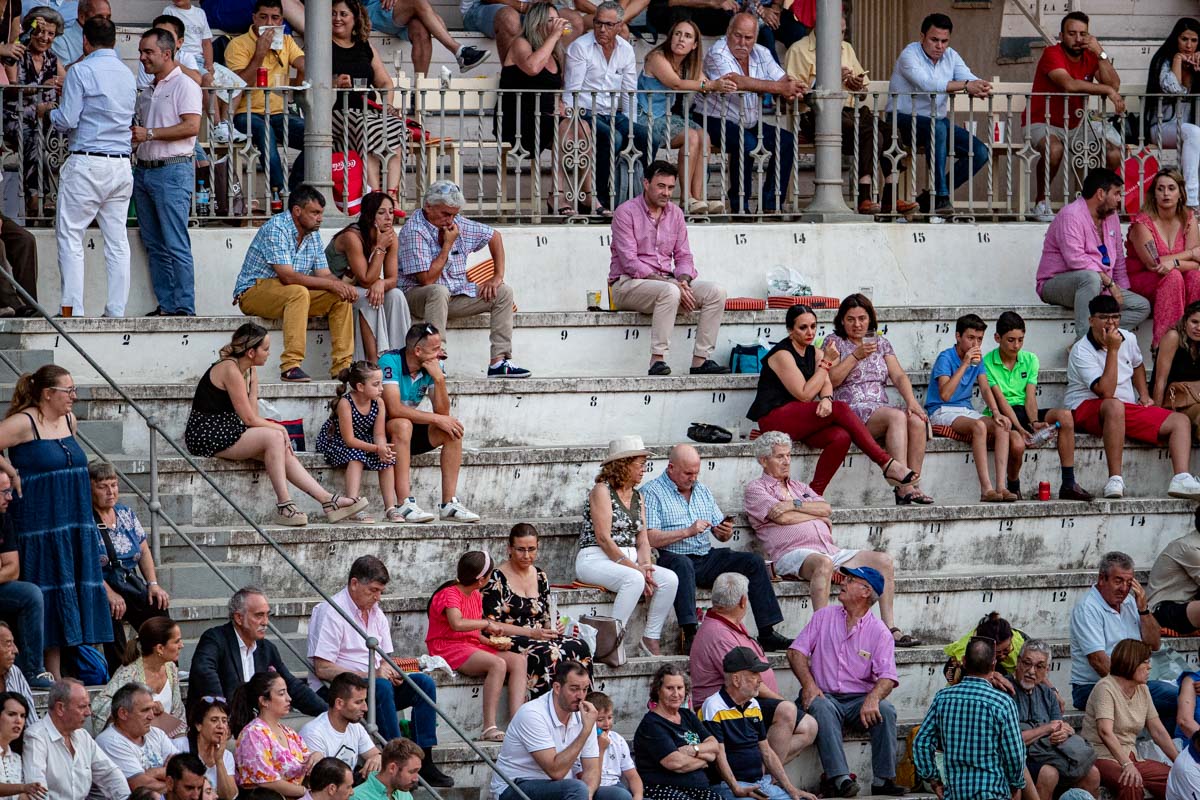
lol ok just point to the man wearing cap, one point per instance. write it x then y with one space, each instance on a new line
680 514
845 659
734 716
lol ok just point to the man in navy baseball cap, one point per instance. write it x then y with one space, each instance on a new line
873 577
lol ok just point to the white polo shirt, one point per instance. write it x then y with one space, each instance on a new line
133 758
1086 364
536 727
320 736
1096 626
616 760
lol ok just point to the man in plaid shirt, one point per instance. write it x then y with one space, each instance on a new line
975 726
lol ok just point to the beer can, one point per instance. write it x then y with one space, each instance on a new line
1044 490
261 80
593 301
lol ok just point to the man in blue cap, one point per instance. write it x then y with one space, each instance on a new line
845 659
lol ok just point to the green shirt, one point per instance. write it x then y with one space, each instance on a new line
372 789
1012 383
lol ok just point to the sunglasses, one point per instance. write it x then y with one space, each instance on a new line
1104 259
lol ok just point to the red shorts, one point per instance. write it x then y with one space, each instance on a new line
1142 423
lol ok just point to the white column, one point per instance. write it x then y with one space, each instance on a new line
828 203
318 125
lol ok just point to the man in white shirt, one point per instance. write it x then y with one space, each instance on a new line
932 67
1184 780
1109 397
339 731
735 118
550 748
139 749
600 73
62 756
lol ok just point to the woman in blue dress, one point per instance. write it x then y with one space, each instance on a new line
52 511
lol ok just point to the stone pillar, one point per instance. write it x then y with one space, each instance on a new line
318 125
828 204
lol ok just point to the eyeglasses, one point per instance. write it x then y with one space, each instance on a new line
1104 259
605 25
1025 662
70 390
525 551
213 698
6 492
1108 317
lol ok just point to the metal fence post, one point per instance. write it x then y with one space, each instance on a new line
155 505
318 125
372 643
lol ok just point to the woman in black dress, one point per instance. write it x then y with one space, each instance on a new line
225 423
672 748
534 123
517 599
1178 361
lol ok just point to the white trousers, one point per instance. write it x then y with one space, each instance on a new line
94 188
1189 153
592 565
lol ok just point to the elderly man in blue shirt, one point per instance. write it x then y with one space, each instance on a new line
932 67
680 513
96 182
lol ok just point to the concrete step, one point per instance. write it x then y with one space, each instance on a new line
183 579
24 359
904 267
553 481
549 343
930 540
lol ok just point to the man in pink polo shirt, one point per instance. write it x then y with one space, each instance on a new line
721 632
845 659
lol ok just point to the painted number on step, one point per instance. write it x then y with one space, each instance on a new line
739 238
933 599
91 245
228 243
798 238
1030 457
874 530
1137 521
1069 522
718 397
848 461
518 403
932 527
1056 666
736 536
631 334
1058 596
645 399
712 465
606 240
985 238
1006 525
541 241
125 338
1037 391
1068 327
475 692
185 341
562 335
764 331
691 332
918 237
592 401
320 338
516 473
941 327
56 341
649 466
930 670
592 611
986 597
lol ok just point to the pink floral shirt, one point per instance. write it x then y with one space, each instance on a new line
262 758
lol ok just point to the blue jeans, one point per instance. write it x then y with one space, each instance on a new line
832 711
424 718
964 144
763 784
728 137
164 200
701 571
566 789
1164 694
264 140
612 136
22 604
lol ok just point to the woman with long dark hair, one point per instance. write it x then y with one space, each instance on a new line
52 508
15 713
152 659
1177 365
268 754
365 254
225 423
1171 120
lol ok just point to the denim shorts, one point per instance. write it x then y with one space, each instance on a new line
664 129
481 18
382 21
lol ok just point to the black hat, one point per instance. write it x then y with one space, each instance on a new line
740 658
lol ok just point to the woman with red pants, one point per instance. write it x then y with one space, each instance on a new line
795 396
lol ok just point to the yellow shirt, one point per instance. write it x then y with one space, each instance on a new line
801 64
278 63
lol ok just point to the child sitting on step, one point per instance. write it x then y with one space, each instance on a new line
354 435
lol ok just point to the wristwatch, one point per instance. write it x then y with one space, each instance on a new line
696 750
1104 56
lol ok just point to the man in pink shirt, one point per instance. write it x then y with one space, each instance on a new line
845 659
169 119
722 631
1083 254
652 272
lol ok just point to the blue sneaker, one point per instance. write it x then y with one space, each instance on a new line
43 680
507 369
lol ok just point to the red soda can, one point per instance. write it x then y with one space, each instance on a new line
1044 490
261 80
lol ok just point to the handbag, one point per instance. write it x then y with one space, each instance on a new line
1181 395
1072 758
171 725
610 639
747 358
124 581
709 434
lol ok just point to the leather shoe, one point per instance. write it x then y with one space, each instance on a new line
1075 492
432 775
889 787
773 641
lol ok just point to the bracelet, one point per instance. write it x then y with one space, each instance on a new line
825 364
152 583
825 397
1177 262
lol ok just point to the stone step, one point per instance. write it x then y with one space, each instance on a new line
553 481
184 579
903 268
549 343
939 539
24 359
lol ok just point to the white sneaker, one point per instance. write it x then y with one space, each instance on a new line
455 511
223 133
409 512
1184 486
1042 212
1115 488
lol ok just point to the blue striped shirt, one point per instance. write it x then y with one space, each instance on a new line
275 243
97 105
668 510
976 728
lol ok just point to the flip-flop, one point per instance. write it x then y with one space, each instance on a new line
491 734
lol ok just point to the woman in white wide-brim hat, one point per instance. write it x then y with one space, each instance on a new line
614 551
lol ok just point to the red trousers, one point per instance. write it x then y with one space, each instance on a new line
1154 778
833 434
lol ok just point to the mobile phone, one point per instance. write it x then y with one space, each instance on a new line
729 518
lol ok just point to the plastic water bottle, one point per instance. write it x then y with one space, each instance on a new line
1044 436
203 201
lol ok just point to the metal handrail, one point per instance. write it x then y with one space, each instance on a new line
156 510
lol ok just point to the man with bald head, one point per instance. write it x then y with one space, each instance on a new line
680 514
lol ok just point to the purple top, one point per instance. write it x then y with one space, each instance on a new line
847 662
643 248
864 388
1071 243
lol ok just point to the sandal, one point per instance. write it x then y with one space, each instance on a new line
491 734
362 517
288 514
916 496
336 513
907 480
905 639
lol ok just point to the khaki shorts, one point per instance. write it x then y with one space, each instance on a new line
1074 138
